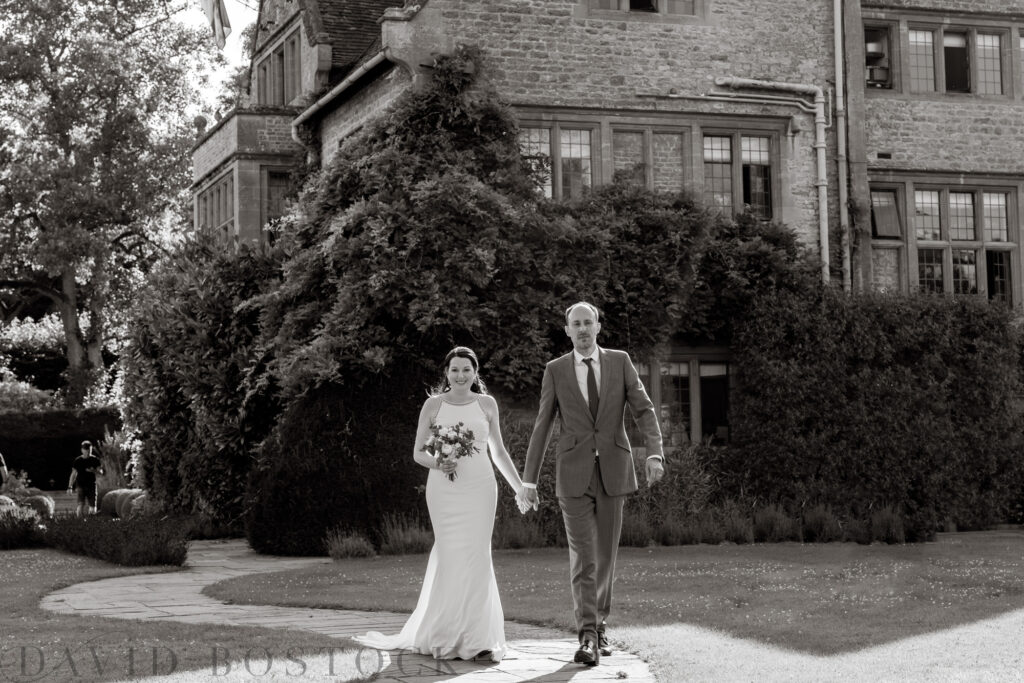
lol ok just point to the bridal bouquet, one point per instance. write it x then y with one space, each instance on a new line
449 443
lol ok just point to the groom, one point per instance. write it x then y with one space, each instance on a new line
588 390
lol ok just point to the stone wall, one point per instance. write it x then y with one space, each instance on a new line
353 113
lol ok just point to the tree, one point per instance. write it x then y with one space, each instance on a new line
94 143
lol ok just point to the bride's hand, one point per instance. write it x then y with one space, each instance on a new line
448 466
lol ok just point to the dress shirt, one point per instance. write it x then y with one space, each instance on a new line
581 370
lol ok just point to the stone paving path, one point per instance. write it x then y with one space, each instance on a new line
535 654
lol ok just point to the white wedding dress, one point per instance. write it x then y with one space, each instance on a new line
458 614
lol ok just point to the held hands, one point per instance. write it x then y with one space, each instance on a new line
527 499
447 465
655 471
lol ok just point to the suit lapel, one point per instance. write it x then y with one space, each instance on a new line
602 392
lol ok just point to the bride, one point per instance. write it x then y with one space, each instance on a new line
458 614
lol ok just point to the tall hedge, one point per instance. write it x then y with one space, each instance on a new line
191 351
873 400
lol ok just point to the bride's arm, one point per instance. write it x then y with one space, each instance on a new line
427 413
502 460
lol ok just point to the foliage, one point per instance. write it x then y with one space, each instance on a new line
18 486
33 350
115 452
94 139
403 536
19 528
43 505
131 542
190 353
20 396
820 525
773 525
871 400
342 545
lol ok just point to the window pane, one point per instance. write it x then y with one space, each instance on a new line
996 222
885 219
576 171
922 61
926 214
990 68
668 162
997 264
628 157
535 146
876 56
718 172
714 400
885 270
961 216
757 185
929 270
965 271
958 71
674 415
277 76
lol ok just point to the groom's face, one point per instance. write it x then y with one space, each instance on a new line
582 327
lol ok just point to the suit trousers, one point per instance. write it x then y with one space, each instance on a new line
593 524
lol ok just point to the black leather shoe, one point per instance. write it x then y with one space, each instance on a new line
587 654
602 645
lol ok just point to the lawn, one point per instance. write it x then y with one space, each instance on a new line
38 645
815 599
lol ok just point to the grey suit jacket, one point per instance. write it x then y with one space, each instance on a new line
582 436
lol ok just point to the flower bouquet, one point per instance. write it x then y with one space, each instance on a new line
449 443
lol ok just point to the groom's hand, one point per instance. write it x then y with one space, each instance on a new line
655 471
531 499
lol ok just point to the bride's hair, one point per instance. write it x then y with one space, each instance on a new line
459 352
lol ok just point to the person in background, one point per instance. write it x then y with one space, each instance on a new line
83 478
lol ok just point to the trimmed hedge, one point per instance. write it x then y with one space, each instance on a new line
876 401
131 542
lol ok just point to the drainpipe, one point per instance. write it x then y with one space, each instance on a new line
335 92
819 146
844 214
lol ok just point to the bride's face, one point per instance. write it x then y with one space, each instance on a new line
461 374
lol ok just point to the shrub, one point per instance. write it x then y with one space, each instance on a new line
43 505
736 525
19 527
342 545
673 531
773 525
124 501
858 531
886 526
134 543
821 526
519 531
404 536
7 501
636 530
866 400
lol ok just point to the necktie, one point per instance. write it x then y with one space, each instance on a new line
591 387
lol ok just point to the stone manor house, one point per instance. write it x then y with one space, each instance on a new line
889 134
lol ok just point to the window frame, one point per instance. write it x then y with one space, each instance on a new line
279 71
650 131
892 55
265 172
940 76
620 10
774 163
555 128
979 244
216 207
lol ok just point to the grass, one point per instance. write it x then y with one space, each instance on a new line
820 599
71 647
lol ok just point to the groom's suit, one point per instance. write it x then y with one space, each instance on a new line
593 470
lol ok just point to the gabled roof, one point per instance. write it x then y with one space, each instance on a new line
350 26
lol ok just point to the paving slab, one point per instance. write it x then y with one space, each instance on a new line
535 653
